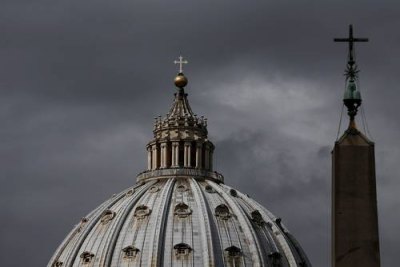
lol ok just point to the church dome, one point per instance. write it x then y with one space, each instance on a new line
179 212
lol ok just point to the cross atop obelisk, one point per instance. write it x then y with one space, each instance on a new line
181 62
351 70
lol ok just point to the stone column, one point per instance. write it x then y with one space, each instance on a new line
154 154
163 155
189 160
199 147
175 154
211 159
187 151
148 158
207 156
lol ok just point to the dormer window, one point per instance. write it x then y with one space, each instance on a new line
142 212
130 252
130 192
233 252
82 224
182 210
57 264
275 258
209 189
257 218
154 189
222 211
107 216
181 188
182 249
233 192
87 257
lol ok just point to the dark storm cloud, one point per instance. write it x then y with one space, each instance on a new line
80 82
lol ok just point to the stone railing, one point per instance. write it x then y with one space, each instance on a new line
186 172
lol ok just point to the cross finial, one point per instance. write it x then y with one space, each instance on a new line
351 70
352 97
181 62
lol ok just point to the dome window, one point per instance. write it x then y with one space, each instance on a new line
142 211
222 211
209 189
82 223
182 249
257 218
57 264
233 192
275 258
130 192
181 188
87 257
107 216
154 189
130 252
233 252
182 210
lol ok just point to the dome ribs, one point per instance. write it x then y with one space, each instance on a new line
93 219
279 236
250 240
205 228
123 210
182 225
155 235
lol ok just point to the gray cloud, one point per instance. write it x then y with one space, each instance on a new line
81 81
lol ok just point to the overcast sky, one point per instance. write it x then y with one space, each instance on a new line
81 81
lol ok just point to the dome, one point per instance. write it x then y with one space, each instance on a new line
179 212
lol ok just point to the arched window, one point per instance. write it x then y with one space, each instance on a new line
154 189
130 252
130 192
82 224
142 212
233 192
107 216
181 188
87 257
182 210
209 189
275 259
57 264
233 251
257 218
182 249
233 256
222 211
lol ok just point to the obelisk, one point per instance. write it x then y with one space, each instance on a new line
355 238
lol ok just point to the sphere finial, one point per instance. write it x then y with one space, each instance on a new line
180 80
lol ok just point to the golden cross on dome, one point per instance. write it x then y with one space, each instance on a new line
181 62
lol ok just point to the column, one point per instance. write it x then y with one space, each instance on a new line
207 156
211 159
148 158
162 155
175 154
186 153
154 154
199 147
189 160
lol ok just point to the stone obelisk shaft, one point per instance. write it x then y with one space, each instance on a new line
355 239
